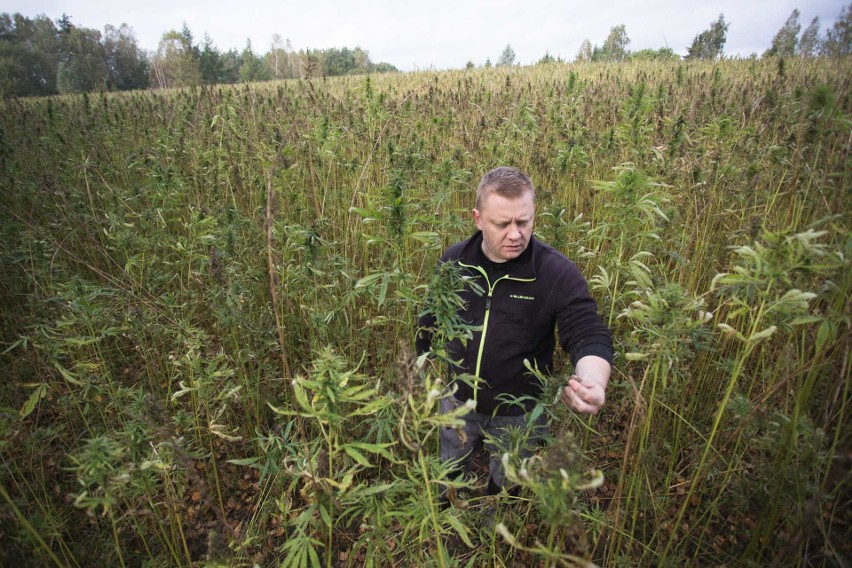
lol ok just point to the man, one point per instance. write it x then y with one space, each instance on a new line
526 290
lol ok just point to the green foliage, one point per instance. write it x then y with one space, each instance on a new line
507 57
614 47
176 63
82 65
709 43
662 53
785 40
584 53
546 59
809 42
838 39
668 325
39 58
252 67
127 67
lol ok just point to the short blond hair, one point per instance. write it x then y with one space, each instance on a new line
509 182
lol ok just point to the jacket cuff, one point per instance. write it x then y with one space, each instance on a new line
597 349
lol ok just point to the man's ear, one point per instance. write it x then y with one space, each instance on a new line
476 219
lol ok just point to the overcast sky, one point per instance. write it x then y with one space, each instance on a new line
441 34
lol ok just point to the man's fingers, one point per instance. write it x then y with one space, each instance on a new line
574 400
582 398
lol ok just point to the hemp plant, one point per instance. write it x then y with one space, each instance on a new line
337 403
760 302
628 228
556 482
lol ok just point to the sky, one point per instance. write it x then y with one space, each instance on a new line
441 34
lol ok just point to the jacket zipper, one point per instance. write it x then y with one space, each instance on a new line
487 314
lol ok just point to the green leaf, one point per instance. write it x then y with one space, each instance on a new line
281 411
81 341
346 482
315 561
801 320
22 342
460 529
357 456
326 518
383 291
368 280
67 375
761 335
536 412
373 448
246 461
358 393
827 332
372 490
39 393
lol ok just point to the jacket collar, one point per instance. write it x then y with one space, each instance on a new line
524 269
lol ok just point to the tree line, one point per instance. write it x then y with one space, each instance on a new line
42 57
709 43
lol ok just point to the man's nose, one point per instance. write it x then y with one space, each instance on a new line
514 233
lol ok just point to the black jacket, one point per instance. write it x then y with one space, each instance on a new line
543 291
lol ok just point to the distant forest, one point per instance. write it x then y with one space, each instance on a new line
42 57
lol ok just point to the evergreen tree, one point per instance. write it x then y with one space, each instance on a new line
252 67
210 63
547 58
229 70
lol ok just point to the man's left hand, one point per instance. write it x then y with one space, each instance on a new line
584 396
586 390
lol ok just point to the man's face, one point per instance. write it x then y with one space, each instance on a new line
506 225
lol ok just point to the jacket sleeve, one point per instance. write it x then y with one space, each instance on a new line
581 330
